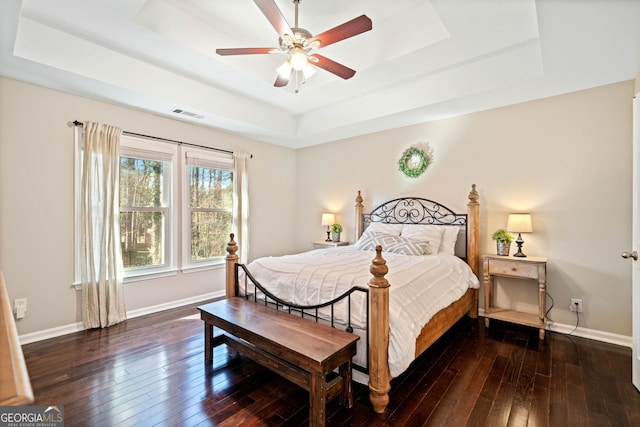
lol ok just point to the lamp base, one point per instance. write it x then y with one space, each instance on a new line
519 242
328 235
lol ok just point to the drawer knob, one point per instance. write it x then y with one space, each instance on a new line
513 269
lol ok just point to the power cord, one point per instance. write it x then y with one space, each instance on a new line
549 319
577 319
552 322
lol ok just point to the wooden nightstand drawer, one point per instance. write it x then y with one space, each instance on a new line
513 268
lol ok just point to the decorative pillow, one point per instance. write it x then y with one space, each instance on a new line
430 233
366 242
449 239
381 227
401 245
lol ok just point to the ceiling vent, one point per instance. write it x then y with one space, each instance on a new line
188 114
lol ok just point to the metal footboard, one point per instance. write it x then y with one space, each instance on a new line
250 283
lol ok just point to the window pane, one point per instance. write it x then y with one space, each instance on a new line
209 234
210 188
141 237
211 203
141 182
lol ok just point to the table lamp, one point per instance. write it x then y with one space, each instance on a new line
519 223
328 219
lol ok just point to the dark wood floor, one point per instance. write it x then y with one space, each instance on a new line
150 371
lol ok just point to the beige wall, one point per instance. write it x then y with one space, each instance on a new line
565 159
36 201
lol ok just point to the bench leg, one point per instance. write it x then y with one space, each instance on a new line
208 342
346 399
317 400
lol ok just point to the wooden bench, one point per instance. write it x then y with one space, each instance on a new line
300 350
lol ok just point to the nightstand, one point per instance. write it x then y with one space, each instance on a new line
320 244
529 268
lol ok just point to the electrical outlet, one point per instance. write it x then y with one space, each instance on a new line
20 307
576 305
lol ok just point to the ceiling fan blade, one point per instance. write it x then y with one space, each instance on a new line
275 17
281 81
351 28
333 67
245 51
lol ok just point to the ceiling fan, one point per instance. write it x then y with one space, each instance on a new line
299 44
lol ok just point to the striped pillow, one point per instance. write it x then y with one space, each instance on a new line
367 241
401 245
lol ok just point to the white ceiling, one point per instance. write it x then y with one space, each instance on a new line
423 60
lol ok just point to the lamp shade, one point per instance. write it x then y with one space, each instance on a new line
328 219
519 223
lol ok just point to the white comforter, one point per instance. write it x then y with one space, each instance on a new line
420 287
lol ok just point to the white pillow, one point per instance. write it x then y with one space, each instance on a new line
401 245
381 227
449 239
430 233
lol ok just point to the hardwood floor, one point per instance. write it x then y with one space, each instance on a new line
150 371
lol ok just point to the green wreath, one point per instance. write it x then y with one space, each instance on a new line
414 162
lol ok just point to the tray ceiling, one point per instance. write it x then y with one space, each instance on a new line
423 60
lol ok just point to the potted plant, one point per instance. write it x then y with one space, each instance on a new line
336 229
503 241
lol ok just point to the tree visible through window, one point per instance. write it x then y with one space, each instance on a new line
143 210
211 208
176 206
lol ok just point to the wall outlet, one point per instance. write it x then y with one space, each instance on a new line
20 307
576 305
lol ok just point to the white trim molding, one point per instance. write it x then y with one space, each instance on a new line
77 327
591 334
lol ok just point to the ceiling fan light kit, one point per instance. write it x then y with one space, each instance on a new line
298 58
299 44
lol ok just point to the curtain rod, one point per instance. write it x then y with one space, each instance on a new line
157 138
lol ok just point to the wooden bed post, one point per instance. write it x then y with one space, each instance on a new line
379 376
359 210
473 240
232 260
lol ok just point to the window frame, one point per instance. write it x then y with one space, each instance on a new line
177 240
193 156
137 147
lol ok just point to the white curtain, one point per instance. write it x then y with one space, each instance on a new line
241 203
101 261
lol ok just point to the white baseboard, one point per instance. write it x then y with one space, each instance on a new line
77 327
592 334
50 333
174 304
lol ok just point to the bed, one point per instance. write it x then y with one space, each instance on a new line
378 298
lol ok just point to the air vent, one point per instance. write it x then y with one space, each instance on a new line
188 114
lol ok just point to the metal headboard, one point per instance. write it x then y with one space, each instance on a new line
416 210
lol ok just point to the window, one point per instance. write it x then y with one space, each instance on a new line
143 211
176 206
208 202
148 193
147 205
